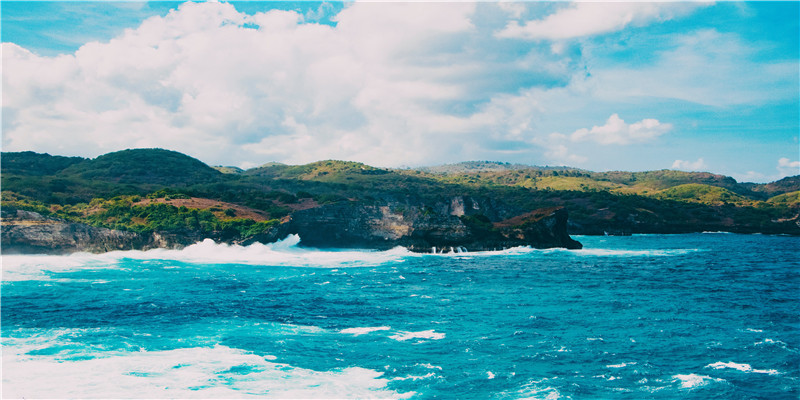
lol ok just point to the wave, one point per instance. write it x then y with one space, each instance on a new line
365 330
284 253
741 367
633 253
197 372
421 335
692 381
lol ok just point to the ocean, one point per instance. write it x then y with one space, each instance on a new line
695 316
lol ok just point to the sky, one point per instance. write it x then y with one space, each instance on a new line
601 86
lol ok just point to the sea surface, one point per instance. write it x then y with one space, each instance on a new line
699 316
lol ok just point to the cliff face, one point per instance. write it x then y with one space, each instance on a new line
458 223
420 228
29 232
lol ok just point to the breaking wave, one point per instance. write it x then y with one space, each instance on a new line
196 372
286 253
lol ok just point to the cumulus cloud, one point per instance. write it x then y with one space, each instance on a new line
685 165
616 131
390 84
787 167
588 18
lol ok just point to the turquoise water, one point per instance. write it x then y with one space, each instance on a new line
698 316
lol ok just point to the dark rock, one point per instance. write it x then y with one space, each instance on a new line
459 223
420 229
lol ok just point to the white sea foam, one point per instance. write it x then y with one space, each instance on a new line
429 366
538 390
200 372
692 381
429 334
741 367
621 365
632 253
416 377
282 253
365 330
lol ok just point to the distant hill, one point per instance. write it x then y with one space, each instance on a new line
146 166
30 163
785 185
228 169
662 201
791 199
483 166
704 194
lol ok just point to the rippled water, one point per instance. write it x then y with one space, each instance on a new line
651 316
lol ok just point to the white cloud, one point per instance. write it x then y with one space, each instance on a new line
233 88
616 131
697 165
391 84
588 18
787 167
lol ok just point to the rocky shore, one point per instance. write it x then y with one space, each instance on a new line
443 228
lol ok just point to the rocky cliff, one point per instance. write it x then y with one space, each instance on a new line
30 232
460 223
457 224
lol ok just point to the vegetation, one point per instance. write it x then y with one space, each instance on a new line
111 190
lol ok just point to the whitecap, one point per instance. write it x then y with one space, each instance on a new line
429 366
416 377
198 372
741 367
429 334
632 253
692 381
365 330
282 253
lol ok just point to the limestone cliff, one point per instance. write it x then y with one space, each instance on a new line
459 223
30 232
422 228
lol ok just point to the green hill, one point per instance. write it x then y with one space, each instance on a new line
791 199
144 166
30 163
785 185
649 202
704 194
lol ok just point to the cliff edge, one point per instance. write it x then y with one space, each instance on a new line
338 225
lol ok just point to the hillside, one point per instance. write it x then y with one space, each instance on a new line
144 166
148 190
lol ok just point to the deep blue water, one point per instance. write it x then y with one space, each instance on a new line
698 316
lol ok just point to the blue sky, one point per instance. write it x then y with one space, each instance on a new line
618 86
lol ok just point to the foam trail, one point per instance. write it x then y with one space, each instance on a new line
200 372
429 334
692 381
282 253
741 367
365 330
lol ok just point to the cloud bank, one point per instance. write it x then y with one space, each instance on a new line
388 84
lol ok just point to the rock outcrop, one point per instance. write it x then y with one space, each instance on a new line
421 228
460 223
30 232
